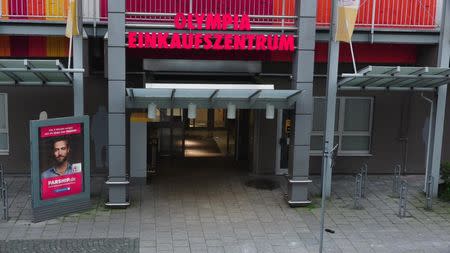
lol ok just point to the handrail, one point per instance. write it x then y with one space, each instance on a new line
373 14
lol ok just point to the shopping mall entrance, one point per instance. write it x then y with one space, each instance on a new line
207 146
242 124
208 139
209 134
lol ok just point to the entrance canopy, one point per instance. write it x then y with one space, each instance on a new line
210 96
396 78
35 72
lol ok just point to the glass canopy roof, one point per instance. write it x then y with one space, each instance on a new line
396 78
211 96
35 72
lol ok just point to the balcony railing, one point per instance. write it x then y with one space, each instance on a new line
395 14
52 10
266 13
406 14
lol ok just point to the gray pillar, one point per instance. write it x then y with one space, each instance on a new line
78 87
303 72
440 100
117 181
332 72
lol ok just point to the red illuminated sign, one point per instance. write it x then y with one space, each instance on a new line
211 41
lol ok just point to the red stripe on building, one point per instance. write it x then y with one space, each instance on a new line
37 46
19 46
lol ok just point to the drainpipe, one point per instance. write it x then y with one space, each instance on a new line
427 170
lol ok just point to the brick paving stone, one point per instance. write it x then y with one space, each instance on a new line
121 245
189 213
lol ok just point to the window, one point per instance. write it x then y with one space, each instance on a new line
4 133
353 125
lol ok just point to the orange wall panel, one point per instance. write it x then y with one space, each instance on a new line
56 9
57 47
4 9
5 46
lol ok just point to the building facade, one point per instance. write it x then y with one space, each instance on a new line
126 46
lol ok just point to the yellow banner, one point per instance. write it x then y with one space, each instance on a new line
347 13
72 20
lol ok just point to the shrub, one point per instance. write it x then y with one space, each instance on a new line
444 189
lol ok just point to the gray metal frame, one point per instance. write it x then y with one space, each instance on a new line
396 78
10 70
78 82
54 205
215 98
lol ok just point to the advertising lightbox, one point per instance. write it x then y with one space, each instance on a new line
59 166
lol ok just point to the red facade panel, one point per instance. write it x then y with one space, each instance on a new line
19 46
396 54
37 46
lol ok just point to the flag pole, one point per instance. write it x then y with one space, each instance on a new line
331 92
351 49
353 56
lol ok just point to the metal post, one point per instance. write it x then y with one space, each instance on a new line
429 193
430 126
283 13
363 180
78 86
358 191
3 194
322 211
372 28
396 179
332 72
94 3
5 200
403 199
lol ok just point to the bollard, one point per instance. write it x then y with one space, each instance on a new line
357 195
5 202
396 180
403 199
363 180
429 193
3 194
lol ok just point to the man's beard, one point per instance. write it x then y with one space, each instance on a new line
61 161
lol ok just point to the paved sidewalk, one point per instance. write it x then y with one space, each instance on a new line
211 210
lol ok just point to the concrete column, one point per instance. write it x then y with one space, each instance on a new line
78 86
116 104
303 72
437 130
